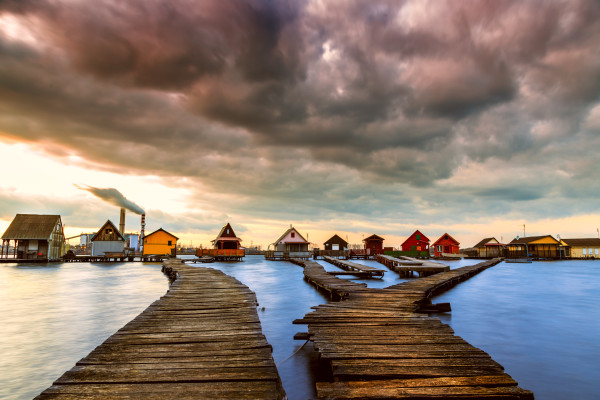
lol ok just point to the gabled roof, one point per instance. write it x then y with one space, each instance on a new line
585 242
286 233
485 241
449 238
32 226
160 230
373 237
108 222
529 239
418 232
223 235
338 239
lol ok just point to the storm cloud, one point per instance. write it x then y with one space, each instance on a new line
318 108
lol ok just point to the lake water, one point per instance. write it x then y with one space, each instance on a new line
540 320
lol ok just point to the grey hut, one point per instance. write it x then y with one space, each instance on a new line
107 240
35 236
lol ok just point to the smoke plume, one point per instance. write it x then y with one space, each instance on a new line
113 196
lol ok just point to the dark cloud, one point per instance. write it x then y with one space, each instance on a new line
319 105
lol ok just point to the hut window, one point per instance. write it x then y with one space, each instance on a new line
108 231
228 231
293 234
418 237
170 243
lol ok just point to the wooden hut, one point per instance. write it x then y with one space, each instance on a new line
34 236
107 240
373 244
336 243
160 242
416 242
446 244
226 239
582 248
289 245
489 248
534 247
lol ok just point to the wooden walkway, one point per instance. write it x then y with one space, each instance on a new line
378 345
202 340
406 266
355 268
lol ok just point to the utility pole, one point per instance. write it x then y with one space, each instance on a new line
524 230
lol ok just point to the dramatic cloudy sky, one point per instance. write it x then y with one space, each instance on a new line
355 117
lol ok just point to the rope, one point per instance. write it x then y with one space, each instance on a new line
292 355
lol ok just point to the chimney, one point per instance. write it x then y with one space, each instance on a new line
122 222
141 244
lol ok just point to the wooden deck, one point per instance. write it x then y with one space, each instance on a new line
202 339
407 266
355 268
377 344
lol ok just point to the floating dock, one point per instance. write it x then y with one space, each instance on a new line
201 340
353 268
406 267
379 344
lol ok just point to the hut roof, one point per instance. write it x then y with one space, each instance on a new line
286 233
529 239
108 222
31 226
418 232
223 235
583 242
483 242
160 230
333 239
444 236
373 237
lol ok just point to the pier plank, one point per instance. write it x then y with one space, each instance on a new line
203 339
379 345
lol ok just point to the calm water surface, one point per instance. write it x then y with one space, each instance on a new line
540 320
53 315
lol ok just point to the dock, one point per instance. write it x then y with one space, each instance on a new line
334 287
381 343
202 339
353 268
406 267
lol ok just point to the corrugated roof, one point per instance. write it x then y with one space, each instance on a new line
31 226
529 239
583 242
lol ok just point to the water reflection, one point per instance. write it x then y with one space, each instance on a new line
539 320
53 315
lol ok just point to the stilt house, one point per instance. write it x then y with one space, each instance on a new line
416 242
583 248
373 244
226 239
336 243
34 236
446 244
534 246
107 240
489 248
160 242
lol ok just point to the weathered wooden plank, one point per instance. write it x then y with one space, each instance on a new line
203 339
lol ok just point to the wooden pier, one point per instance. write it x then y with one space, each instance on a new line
356 269
406 266
202 339
379 344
